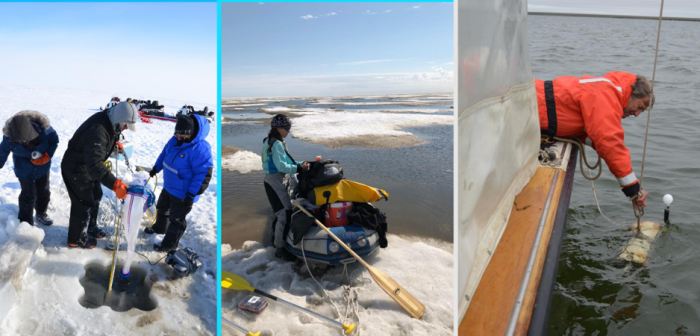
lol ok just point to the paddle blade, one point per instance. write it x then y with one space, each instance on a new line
235 282
409 303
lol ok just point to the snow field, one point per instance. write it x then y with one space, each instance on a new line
48 301
338 125
423 268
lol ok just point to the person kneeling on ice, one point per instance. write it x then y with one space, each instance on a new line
188 167
591 109
277 162
83 170
138 199
28 135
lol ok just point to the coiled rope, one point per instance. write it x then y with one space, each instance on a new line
351 295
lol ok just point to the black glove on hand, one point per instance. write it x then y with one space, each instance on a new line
153 172
189 199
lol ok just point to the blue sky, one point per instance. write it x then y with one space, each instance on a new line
166 50
308 49
673 8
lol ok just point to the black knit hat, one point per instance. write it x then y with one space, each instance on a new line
281 120
21 129
184 125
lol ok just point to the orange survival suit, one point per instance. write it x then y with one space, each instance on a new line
591 109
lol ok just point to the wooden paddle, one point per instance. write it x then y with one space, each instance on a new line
409 303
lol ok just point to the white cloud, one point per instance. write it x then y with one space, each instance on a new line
307 17
387 11
370 13
415 7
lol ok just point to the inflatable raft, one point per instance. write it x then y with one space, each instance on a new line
318 246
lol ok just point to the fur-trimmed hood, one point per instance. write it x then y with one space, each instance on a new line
37 117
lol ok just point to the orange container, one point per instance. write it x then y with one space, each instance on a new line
337 214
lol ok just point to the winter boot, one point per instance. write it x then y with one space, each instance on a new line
159 248
96 232
285 255
85 242
43 219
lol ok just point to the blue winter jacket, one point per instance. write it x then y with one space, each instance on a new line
188 167
48 141
278 161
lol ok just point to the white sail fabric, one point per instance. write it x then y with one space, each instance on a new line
498 129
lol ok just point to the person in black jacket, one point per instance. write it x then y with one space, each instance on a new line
83 169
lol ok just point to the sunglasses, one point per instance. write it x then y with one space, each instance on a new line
287 129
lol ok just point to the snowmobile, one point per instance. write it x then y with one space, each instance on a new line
112 102
189 110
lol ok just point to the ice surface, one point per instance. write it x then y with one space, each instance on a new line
48 303
16 251
335 125
424 268
242 161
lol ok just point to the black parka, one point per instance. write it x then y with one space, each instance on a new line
89 148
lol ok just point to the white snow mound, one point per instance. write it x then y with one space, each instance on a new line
242 161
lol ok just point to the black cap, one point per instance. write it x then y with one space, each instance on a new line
184 125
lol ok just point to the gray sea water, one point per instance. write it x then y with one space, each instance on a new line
418 178
661 298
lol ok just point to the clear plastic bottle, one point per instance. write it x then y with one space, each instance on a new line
36 155
318 158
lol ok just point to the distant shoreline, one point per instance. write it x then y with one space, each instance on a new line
615 16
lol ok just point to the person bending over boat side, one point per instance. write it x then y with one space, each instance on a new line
188 167
277 162
591 109
83 170
28 135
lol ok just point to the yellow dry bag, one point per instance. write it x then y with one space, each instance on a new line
347 191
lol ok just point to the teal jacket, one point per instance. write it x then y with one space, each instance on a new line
279 160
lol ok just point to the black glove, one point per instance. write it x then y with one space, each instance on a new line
153 172
631 191
189 199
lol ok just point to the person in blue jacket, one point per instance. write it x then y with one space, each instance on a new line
277 162
28 135
188 169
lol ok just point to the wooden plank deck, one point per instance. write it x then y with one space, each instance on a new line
494 299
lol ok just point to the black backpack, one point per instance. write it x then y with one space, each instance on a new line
321 173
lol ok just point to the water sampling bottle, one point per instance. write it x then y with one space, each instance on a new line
318 158
36 155
668 199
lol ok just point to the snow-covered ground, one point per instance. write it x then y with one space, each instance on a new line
363 126
47 303
424 268
242 161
